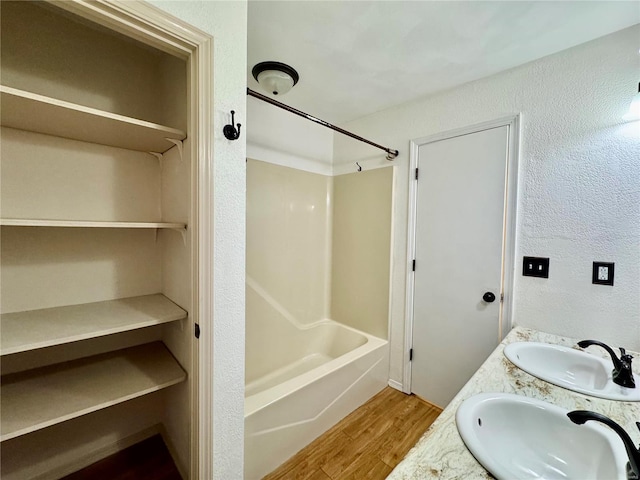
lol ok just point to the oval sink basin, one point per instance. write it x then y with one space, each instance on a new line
572 369
519 437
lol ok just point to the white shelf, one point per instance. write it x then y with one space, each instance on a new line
23 331
32 222
37 113
46 396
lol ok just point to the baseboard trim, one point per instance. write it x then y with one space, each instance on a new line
395 384
438 407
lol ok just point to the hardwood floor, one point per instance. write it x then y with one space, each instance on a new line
367 444
147 460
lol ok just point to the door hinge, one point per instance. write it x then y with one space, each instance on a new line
416 173
411 354
413 266
197 330
502 297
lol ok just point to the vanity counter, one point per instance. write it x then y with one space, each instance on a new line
441 453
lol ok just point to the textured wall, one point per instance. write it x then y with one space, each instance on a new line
579 183
361 249
226 22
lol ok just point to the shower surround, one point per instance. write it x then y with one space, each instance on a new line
316 331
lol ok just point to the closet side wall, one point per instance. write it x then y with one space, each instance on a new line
178 285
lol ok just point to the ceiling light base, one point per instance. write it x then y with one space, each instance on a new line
275 77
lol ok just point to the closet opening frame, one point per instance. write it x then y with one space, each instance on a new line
156 28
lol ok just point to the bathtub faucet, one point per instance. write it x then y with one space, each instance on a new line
622 372
579 417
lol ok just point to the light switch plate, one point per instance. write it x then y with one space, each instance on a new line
535 267
602 273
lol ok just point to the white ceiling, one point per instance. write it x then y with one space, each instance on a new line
359 57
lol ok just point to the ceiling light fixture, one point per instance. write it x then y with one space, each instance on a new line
275 77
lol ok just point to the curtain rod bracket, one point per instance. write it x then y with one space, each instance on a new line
391 154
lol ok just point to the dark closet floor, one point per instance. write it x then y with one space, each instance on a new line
147 460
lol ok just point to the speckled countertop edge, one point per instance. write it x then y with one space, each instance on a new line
441 453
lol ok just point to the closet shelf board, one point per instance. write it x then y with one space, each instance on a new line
30 330
46 396
50 116
32 222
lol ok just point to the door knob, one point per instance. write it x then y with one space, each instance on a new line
488 297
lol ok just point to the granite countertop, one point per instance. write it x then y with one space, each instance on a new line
441 453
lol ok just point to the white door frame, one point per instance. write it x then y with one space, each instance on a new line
509 230
153 26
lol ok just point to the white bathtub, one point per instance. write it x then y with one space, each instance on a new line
301 380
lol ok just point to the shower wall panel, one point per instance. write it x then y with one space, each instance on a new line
289 239
361 250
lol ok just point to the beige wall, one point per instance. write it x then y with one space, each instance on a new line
319 246
288 239
361 248
100 70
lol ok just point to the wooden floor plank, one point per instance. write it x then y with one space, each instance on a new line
319 475
372 444
397 447
412 415
377 409
380 471
366 466
304 464
337 461
367 444
377 402
391 443
379 424
303 473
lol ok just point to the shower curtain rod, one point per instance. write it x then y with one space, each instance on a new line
391 154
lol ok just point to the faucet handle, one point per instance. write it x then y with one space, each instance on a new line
624 356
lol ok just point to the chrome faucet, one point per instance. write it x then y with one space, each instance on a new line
579 417
622 372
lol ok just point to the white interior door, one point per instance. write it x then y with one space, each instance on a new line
459 255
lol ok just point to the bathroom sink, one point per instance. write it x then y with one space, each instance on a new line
573 369
513 436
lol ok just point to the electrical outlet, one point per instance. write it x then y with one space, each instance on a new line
535 267
602 273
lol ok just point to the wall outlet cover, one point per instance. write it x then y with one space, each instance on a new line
602 273
535 267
